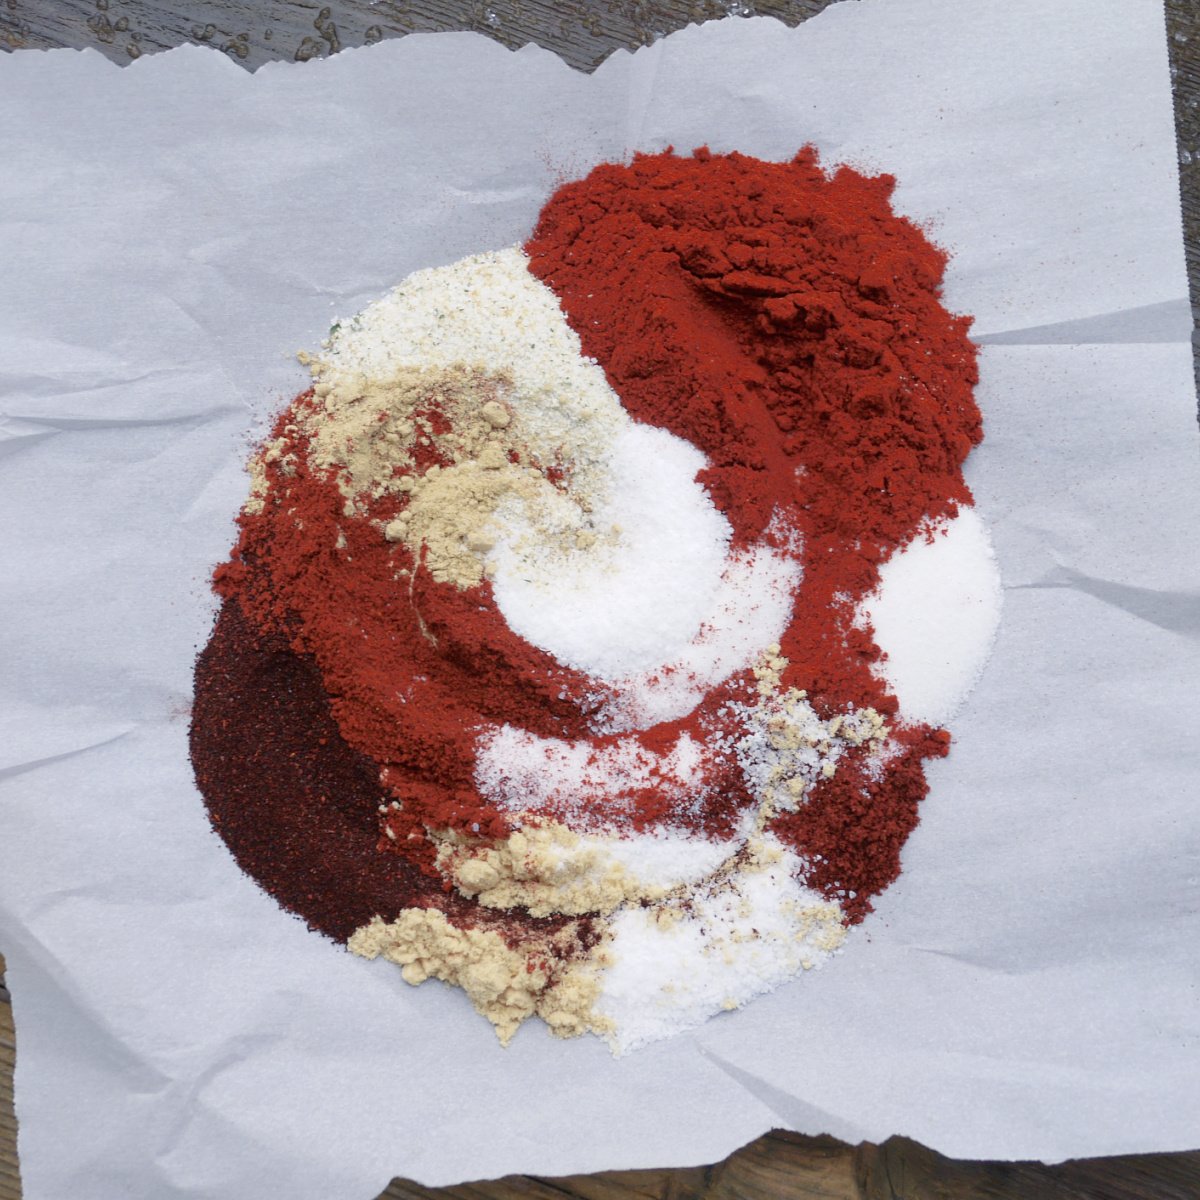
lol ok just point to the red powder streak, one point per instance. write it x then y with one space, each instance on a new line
788 325
793 332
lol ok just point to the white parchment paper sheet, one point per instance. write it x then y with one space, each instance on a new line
171 233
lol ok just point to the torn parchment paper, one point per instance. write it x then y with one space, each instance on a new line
172 233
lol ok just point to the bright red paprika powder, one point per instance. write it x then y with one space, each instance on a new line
786 323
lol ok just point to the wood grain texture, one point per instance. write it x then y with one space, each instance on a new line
10 1181
780 1165
583 32
1183 46
789 1166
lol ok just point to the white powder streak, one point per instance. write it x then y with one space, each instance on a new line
584 785
644 608
935 616
742 937
630 604
657 859
523 772
751 607
649 601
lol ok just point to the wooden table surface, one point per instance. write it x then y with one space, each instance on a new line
780 1165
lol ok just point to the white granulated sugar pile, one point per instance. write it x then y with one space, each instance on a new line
737 938
935 615
750 609
626 604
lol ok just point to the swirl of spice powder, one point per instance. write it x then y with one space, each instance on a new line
546 661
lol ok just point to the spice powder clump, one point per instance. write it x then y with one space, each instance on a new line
546 662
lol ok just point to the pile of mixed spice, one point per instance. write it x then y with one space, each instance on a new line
546 660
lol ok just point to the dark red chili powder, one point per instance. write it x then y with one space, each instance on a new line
785 322
295 804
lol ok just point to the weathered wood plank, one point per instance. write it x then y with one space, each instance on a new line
788 1166
10 1181
584 32
904 1170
